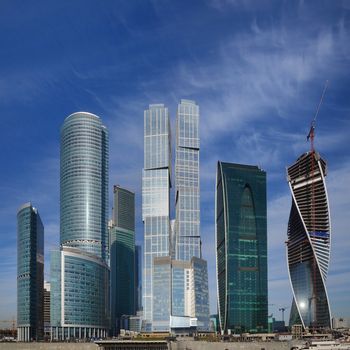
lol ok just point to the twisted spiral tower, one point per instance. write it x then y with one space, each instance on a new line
308 244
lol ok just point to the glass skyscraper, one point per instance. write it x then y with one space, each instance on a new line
161 294
84 184
308 245
200 294
241 248
138 278
83 290
30 274
156 183
47 328
187 190
171 276
122 256
181 295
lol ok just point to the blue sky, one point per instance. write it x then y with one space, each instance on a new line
256 69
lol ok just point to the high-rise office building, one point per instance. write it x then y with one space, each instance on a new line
138 278
308 245
82 281
156 183
161 294
200 294
30 274
187 190
175 276
47 328
122 256
241 248
181 294
187 240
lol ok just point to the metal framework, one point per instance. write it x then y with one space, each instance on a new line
308 245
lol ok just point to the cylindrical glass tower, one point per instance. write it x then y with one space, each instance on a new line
80 279
84 184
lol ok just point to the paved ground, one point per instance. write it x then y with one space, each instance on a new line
179 345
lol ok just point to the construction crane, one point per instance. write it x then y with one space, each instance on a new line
11 322
311 137
311 134
283 309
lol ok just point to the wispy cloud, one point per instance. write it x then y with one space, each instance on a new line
257 81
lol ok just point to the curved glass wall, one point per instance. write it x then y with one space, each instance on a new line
84 184
308 245
80 275
241 248
85 302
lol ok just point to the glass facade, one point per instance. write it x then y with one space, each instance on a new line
122 256
170 246
201 293
30 274
84 274
181 294
241 248
84 184
55 300
161 294
178 287
84 301
156 183
79 295
308 245
138 278
47 327
187 188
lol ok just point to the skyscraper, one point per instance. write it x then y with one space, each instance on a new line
241 247
84 184
47 328
80 272
194 299
175 276
122 256
308 245
138 278
30 274
181 295
156 183
187 190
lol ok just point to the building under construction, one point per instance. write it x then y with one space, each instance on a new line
308 244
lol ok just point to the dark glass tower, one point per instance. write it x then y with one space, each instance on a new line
30 274
308 245
241 248
138 278
122 259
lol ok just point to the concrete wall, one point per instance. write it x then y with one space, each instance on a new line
48 346
201 345
179 345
